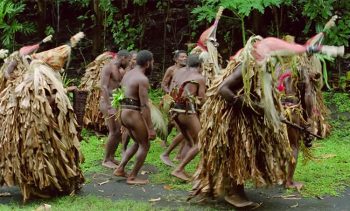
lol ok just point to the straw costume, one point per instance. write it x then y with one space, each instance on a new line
39 147
11 72
239 145
206 49
93 117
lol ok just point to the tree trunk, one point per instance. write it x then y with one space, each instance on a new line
42 17
98 29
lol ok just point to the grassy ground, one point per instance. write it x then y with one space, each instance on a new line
85 203
328 175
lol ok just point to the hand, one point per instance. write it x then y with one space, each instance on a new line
151 134
71 88
112 111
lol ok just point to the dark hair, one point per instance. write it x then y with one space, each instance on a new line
143 57
133 52
123 53
178 52
193 61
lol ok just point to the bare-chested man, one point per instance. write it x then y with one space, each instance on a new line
188 90
125 133
112 74
136 115
180 59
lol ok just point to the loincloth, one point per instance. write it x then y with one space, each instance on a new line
183 108
129 103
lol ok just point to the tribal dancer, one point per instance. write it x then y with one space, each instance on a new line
40 150
242 137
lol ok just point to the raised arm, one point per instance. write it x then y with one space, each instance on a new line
167 79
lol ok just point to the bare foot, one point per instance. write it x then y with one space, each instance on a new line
136 181
163 144
109 164
115 161
239 201
180 175
120 173
294 185
178 158
166 160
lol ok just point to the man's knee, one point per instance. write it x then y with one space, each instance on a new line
145 146
115 134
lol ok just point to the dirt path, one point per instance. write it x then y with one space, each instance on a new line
108 186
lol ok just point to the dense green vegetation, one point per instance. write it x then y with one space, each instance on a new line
165 25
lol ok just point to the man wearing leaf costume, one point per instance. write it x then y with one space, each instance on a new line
111 76
136 116
40 150
300 83
242 136
13 69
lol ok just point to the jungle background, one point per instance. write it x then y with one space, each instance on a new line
163 26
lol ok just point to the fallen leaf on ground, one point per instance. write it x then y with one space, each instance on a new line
154 200
143 189
284 196
5 194
319 197
102 183
44 207
294 206
145 172
102 191
167 187
257 206
328 156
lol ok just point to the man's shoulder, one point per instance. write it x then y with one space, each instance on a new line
171 68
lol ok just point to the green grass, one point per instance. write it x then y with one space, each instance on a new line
340 100
93 150
86 203
329 174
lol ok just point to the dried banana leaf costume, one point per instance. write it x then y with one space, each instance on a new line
20 62
206 49
237 145
39 147
93 117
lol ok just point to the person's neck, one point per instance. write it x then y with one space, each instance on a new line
178 65
140 69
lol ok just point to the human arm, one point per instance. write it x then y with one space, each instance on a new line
145 110
229 85
166 80
10 68
201 90
105 77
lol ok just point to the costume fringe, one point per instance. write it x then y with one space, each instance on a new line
236 145
39 147
93 117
